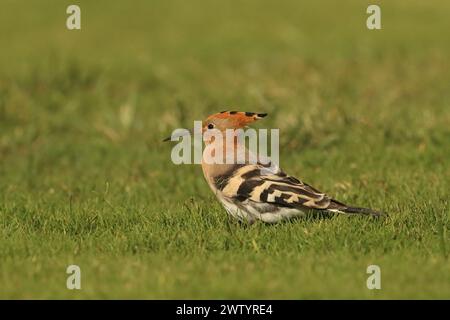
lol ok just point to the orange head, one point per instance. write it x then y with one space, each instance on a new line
230 120
226 120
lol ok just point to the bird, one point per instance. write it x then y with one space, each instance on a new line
253 191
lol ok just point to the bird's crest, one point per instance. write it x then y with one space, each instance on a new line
236 119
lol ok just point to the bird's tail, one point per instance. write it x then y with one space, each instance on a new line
365 211
336 206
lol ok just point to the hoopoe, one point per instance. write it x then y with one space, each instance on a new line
253 191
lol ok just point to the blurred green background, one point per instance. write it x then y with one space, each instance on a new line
84 178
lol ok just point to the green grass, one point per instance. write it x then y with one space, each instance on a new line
84 178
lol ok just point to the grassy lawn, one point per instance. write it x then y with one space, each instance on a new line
85 179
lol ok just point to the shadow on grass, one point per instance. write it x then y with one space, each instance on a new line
311 216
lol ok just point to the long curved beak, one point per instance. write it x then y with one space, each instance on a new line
178 134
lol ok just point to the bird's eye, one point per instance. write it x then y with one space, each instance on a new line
210 126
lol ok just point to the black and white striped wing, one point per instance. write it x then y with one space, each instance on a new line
264 185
